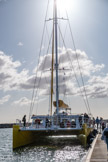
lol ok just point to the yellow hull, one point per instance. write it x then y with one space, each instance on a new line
83 134
23 138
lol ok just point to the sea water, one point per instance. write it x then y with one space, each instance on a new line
54 149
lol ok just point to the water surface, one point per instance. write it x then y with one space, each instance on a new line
53 149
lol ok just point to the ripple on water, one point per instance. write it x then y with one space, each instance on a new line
53 150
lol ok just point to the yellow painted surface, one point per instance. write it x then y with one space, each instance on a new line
83 139
83 134
21 138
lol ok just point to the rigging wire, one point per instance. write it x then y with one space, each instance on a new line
60 44
79 65
74 72
35 94
63 37
34 86
87 102
47 35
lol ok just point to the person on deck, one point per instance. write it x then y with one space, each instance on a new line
101 120
105 136
86 117
90 138
24 120
37 122
103 125
97 122
93 122
47 122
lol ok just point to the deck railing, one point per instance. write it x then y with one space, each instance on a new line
62 121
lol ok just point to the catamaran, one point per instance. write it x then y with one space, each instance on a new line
59 121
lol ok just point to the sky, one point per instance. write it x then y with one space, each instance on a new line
21 27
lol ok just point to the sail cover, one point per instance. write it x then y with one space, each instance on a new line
61 104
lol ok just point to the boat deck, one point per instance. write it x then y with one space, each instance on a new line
47 129
52 131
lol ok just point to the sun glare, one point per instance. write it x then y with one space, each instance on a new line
66 5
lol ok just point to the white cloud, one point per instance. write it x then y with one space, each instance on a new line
68 59
4 99
95 84
68 69
20 44
98 86
9 75
22 102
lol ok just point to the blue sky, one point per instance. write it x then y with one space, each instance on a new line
21 26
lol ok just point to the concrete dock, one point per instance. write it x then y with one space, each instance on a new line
98 151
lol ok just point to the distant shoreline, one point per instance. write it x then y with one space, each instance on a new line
10 125
7 125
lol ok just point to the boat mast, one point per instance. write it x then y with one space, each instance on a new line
52 67
56 52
